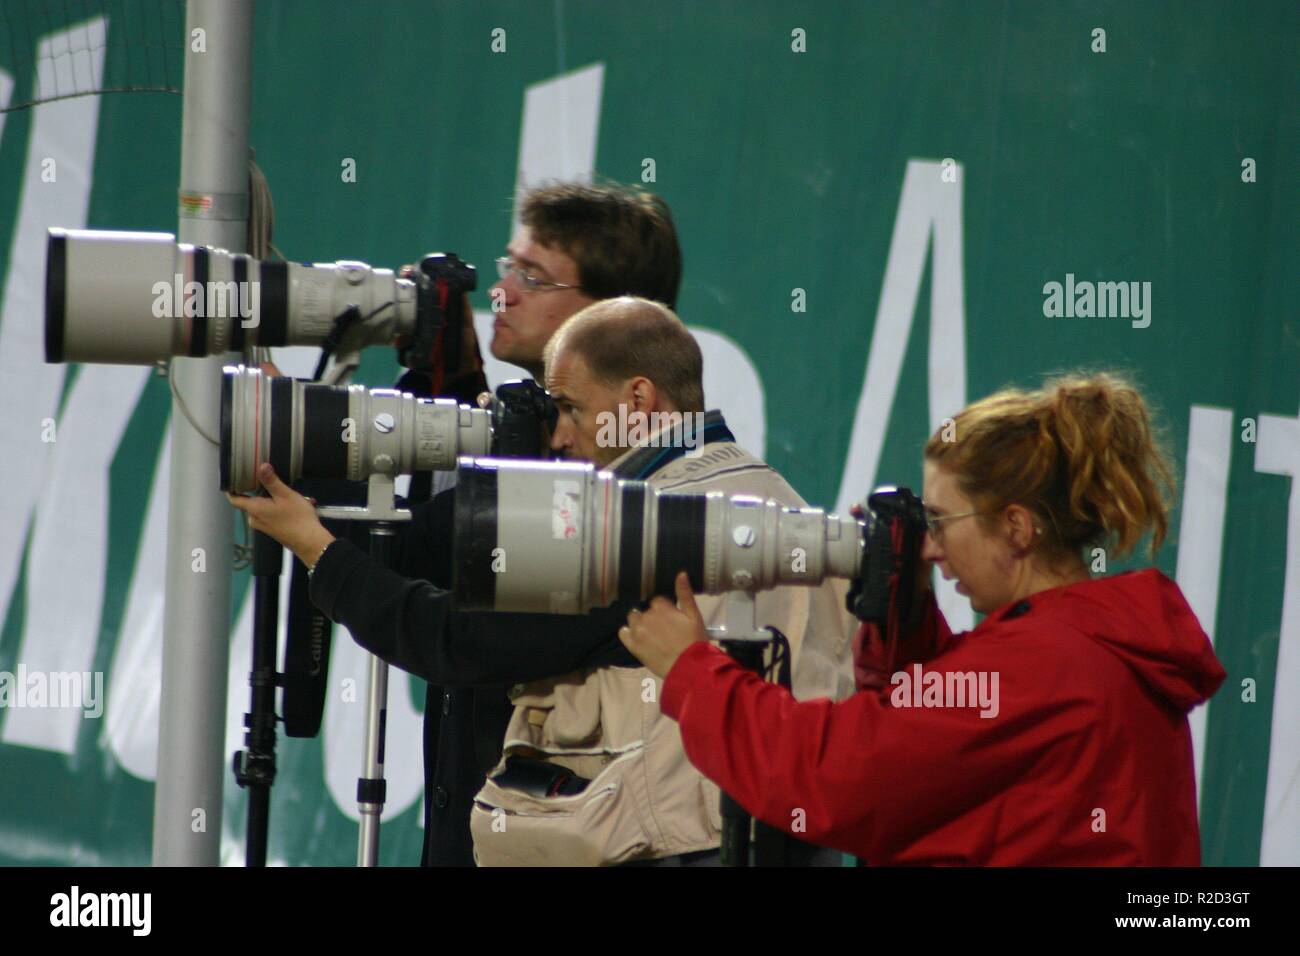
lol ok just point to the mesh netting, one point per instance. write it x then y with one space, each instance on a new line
48 49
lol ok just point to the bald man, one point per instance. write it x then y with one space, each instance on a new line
627 378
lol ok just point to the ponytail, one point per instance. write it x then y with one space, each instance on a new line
1079 453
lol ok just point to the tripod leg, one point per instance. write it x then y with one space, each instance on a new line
734 847
255 767
736 822
371 785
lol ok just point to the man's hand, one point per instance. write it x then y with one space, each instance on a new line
286 516
659 636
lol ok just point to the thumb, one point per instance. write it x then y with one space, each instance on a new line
686 597
270 480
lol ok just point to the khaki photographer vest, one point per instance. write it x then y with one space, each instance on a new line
645 800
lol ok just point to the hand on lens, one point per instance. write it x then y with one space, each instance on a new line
285 515
658 635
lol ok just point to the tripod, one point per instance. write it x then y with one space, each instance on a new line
255 767
381 511
744 641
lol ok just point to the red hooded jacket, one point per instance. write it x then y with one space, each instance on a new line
1072 747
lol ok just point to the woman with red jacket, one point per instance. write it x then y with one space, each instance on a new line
1054 733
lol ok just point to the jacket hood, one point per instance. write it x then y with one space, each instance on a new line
1169 651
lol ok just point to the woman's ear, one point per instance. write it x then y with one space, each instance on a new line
1022 527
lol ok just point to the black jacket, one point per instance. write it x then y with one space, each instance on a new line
406 617
468 659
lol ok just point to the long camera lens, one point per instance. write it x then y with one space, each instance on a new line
563 538
324 431
136 298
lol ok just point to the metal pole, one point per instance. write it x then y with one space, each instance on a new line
197 613
371 785
742 639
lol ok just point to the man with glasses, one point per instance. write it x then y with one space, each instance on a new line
575 244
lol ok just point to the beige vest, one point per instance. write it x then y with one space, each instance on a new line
645 800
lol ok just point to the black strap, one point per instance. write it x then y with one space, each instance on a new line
340 325
778 668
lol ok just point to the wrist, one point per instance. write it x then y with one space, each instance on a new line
312 550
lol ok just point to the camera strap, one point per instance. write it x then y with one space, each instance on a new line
348 317
772 845
778 667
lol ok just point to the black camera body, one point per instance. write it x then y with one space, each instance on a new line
523 418
441 282
891 552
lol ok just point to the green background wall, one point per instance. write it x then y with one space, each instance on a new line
784 170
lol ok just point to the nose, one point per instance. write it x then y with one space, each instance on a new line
509 293
930 550
560 438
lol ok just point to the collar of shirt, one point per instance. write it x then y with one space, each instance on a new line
639 463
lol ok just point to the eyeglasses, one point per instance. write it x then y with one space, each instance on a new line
506 268
934 521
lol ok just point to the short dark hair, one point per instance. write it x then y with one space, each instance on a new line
623 338
622 238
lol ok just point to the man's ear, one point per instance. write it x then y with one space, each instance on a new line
643 394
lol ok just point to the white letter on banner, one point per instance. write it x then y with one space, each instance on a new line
1278 453
1200 533
927 207
29 388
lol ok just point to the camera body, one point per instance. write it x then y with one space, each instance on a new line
441 279
523 418
891 553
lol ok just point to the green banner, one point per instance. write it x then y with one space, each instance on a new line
886 210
